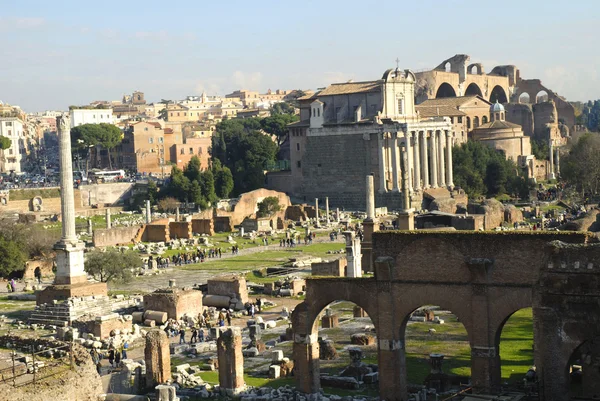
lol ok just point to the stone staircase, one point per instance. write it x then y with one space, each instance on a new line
62 313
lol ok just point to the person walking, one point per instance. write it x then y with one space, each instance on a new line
229 317
182 335
13 285
38 274
125 348
194 337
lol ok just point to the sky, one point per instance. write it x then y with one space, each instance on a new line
59 53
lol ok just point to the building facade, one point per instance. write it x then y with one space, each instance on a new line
90 116
14 157
350 130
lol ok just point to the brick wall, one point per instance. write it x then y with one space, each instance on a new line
158 232
180 229
336 268
203 226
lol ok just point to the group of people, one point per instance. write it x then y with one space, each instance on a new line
117 351
11 286
197 326
253 307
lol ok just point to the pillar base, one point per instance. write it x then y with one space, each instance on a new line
406 220
61 292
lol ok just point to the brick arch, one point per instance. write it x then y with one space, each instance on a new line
445 90
505 304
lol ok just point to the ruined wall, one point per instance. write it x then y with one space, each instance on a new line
175 302
336 268
156 232
296 213
203 226
45 266
115 236
49 205
229 286
102 328
546 121
470 222
532 87
109 194
180 229
280 181
520 114
223 224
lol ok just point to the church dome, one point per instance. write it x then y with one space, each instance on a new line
496 108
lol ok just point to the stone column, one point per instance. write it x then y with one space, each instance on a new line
108 221
306 361
148 213
442 166
395 167
317 212
449 172
382 186
67 197
409 161
370 198
557 169
337 214
424 161
158 358
417 164
90 227
551 175
327 209
405 187
177 214
231 361
353 255
433 159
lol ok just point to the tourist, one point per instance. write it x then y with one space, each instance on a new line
9 287
111 356
194 337
258 304
38 274
252 310
13 285
96 359
125 348
118 353
182 335
201 335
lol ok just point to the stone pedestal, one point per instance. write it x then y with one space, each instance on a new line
63 292
148 213
231 361
406 220
353 255
166 393
158 358
330 322
69 263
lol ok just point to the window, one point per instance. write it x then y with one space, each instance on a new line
182 151
318 112
9 132
297 146
460 119
314 112
9 123
101 116
199 150
10 151
146 129
484 119
299 164
161 139
177 114
150 140
401 106
191 151
93 116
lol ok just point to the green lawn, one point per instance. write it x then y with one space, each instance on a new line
516 346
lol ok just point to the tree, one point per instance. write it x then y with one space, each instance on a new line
112 265
276 125
163 114
540 149
5 143
223 179
152 192
283 108
12 257
168 205
495 178
581 166
89 135
268 207
192 170
111 137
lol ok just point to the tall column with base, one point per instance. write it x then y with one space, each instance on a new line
148 213
551 175
370 226
69 250
449 172
108 222
409 161
395 167
424 162
557 162
317 212
417 164
382 186
327 209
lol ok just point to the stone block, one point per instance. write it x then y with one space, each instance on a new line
250 352
166 393
274 371
371 378
276 356
270 324
330 322
149 323
359 312
362 339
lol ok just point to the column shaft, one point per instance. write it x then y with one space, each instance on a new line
449 172
441 144
382 186
424 161
417 164
434 159
395 177
67 204
409 164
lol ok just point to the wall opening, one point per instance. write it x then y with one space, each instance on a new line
429 332
448 67
346 332
542 96
515 340
473 90
445 90
498 94
584 372
524 98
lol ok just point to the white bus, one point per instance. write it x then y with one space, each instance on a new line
106 176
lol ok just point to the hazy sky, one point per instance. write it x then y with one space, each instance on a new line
57 53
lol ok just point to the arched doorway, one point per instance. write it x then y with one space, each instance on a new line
475 122
515 342
437 349
445 90
473 90
542 96
584 370
346 340
524 98
498 94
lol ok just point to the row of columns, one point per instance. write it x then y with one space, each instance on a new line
426 157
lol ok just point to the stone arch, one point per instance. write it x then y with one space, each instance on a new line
445 90
541 96
524 98
473 90
583 370
475 69
498 94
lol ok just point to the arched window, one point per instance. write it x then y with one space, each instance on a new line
400 106
484 120
475 122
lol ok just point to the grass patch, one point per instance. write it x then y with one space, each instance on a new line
516 346
26 194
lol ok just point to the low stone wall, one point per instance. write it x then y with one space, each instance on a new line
156 232
115 236
109 194
296 213
335 268
102 327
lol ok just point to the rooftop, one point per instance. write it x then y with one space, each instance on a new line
352 87
452 101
